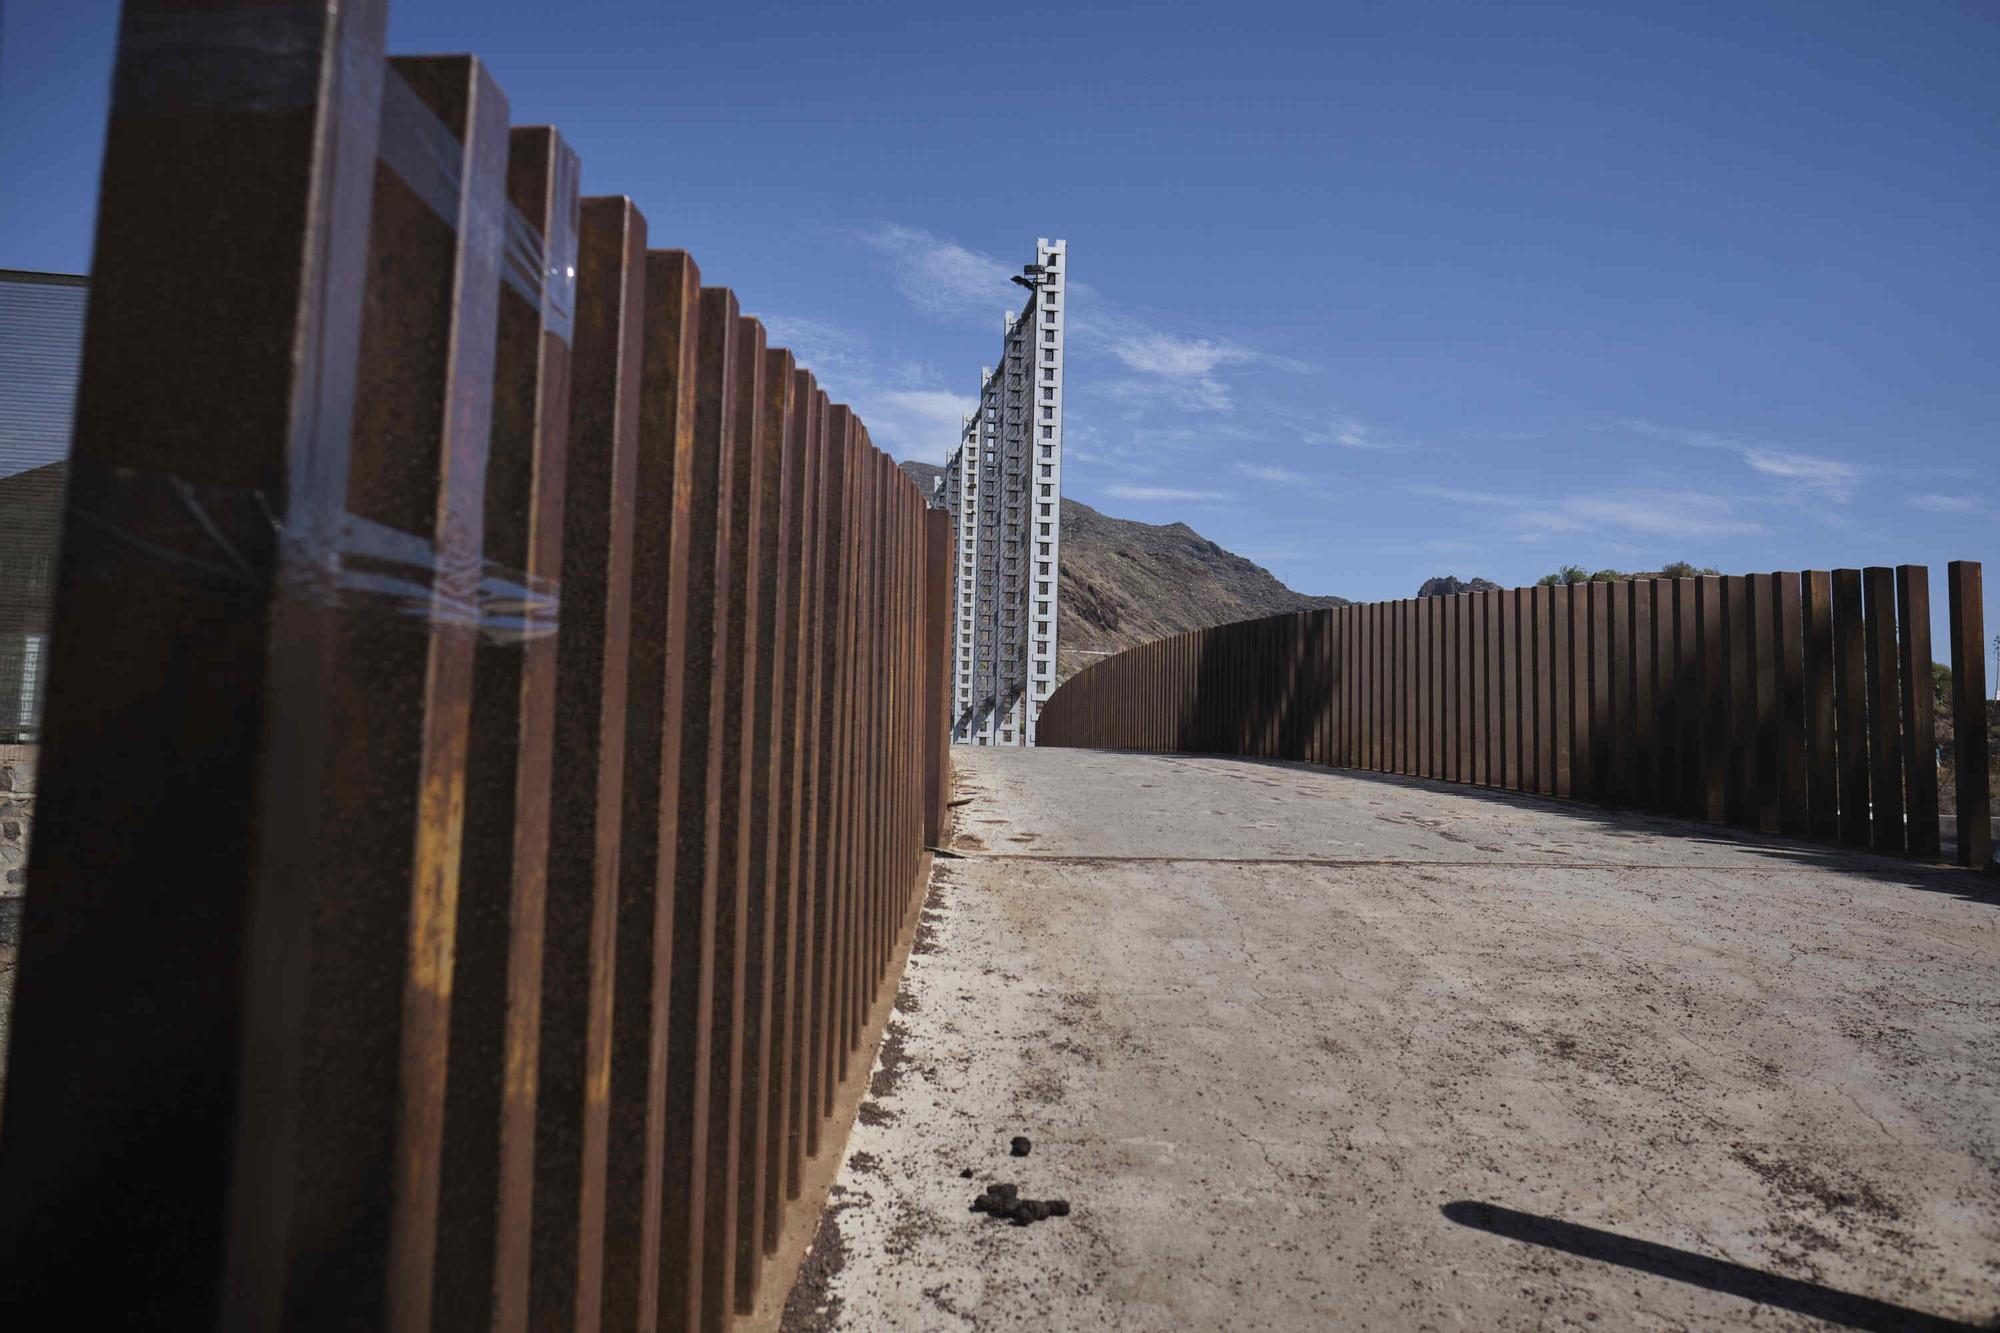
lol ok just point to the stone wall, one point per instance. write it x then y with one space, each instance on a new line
17 810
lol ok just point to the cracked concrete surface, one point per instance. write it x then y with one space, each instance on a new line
1308 1049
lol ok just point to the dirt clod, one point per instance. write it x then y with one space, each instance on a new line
1003 1203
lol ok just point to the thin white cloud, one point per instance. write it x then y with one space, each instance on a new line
1182 373
907 412
1126 491
1681 514
1347 432
1687 514
1826 478
1459 495
1277 476
1184 370
941 277
1156 353
1803 475
825 349
914 423
1139 399
1946 504
1185 373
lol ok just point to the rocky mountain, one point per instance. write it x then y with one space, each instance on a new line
1450 585
1125 583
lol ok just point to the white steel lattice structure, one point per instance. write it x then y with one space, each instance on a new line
1003 486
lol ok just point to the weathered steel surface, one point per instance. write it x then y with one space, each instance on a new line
690 1027
1919 722
1440 648
1850 683
1542 678
1687 700
1668 793
1416 646
487 1158
656 678
215 402
1712 677
1885 740
1822 770
571 1104
1620 732
939 572
830 873
768 498
372 1013
1793 787
733 721
552 720
1562 695
1762 770
1508 677
809 1097
1583 704
1642 784
1479 659
787 638
1973 799
1731 700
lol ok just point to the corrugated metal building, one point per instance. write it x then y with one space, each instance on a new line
41 349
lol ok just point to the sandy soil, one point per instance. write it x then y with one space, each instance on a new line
1310 1050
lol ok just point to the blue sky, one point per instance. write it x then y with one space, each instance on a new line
1365 292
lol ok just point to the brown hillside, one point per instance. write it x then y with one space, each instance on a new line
1126 583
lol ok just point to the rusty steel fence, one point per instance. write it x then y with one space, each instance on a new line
495 723
1798 704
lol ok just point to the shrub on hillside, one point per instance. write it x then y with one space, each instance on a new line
1568 574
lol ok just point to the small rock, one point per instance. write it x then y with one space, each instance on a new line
1022 1146
966 1174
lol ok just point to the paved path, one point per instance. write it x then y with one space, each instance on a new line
1310 1050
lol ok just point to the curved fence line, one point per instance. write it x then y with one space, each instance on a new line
1790 703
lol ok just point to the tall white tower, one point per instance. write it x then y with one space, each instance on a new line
1003 487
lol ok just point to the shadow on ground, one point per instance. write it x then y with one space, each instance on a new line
1752 1284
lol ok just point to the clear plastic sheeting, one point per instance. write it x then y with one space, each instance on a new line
425 155
366 566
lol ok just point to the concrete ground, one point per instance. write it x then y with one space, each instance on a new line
1307 1050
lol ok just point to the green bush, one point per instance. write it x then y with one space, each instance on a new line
1682 569
1675 569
